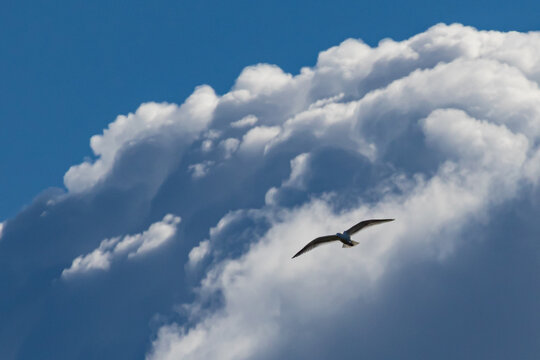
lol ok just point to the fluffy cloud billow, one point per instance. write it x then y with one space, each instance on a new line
130 245
440 131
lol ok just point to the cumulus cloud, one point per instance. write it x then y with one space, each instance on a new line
248 120
198 253
451 111
129 246
257 138
201 169
296 180
264 280
440 131
207 145
229 146
262 79
298 168
178 123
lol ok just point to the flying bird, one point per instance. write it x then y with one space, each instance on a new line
344 237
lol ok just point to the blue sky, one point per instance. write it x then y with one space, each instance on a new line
72 68
145 215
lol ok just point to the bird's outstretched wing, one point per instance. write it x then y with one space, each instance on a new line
316 242
362 224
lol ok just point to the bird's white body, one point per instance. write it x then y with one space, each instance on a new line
346 239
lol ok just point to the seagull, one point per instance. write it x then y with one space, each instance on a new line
344 237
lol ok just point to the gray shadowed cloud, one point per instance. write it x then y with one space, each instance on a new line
439 131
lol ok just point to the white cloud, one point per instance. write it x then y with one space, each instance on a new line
99 259
463 97
299 166
1 229
270 196
225 221
201 169
229 146
169 121
296 179
198 253
479 145
207 145
246 121
156 235
119 247
212 134
264 280
257 138
262 79
440 131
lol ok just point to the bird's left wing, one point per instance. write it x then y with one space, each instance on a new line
316 242
366 223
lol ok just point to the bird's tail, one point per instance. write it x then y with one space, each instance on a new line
348 246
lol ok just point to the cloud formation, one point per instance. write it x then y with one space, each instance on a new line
168 122
130 246
440 131
248 120
450 111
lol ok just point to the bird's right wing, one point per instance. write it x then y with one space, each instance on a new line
316 242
